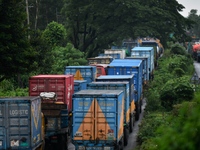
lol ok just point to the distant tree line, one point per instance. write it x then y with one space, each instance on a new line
43 36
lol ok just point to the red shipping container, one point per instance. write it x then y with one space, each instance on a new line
61 85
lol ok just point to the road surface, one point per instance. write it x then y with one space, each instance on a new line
132 143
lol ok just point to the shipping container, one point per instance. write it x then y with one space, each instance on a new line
117 86
20 123
100 60
145 66
80 85
128 67
145 51
130 80
61 85
98 119
122 52
88 73
114 55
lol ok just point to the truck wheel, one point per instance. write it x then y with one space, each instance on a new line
140 106
126 135
131 124
137 115
121 143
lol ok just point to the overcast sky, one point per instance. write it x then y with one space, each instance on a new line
189 4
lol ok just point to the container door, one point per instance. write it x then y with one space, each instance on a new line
83 119
106 120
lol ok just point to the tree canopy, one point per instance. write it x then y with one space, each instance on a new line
17 56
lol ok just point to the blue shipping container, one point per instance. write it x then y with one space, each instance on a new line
20 123
128 67
80 85
145 51
87 73
115 86
145 66
97 114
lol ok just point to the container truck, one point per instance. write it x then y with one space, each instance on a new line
88 73
80 85
122 52
145 67
130 80
117 86
21 123
56 96
98 117
128 67
100 60
145 51
101 69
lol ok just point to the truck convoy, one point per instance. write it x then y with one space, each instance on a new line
97 110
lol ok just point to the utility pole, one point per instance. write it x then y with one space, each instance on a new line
28 21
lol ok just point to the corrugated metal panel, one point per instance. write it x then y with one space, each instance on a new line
20 123
62 85
115 86
88 73
98 117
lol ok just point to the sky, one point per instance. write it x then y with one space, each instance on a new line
189 4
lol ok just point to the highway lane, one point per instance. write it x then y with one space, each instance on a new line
132 141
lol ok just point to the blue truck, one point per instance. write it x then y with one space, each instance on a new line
127 110
129 67
88 73
21 123
145 51
98 117
130 80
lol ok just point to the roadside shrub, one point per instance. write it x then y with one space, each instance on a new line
175 91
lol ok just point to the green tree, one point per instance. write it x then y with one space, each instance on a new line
195 31
95 25
55 34
17 57
66 56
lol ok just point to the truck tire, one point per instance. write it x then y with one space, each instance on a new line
121 143
131 124
137 114
126 135
140 103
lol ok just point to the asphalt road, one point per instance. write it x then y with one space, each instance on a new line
132 143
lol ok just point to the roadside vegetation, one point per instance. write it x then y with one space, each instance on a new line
171 119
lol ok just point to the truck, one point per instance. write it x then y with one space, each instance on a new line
98 117
145 67
117 86
130 80
101 69
56 104
88 73
21 123
80 85
145 51
100 60
128 67
122 52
